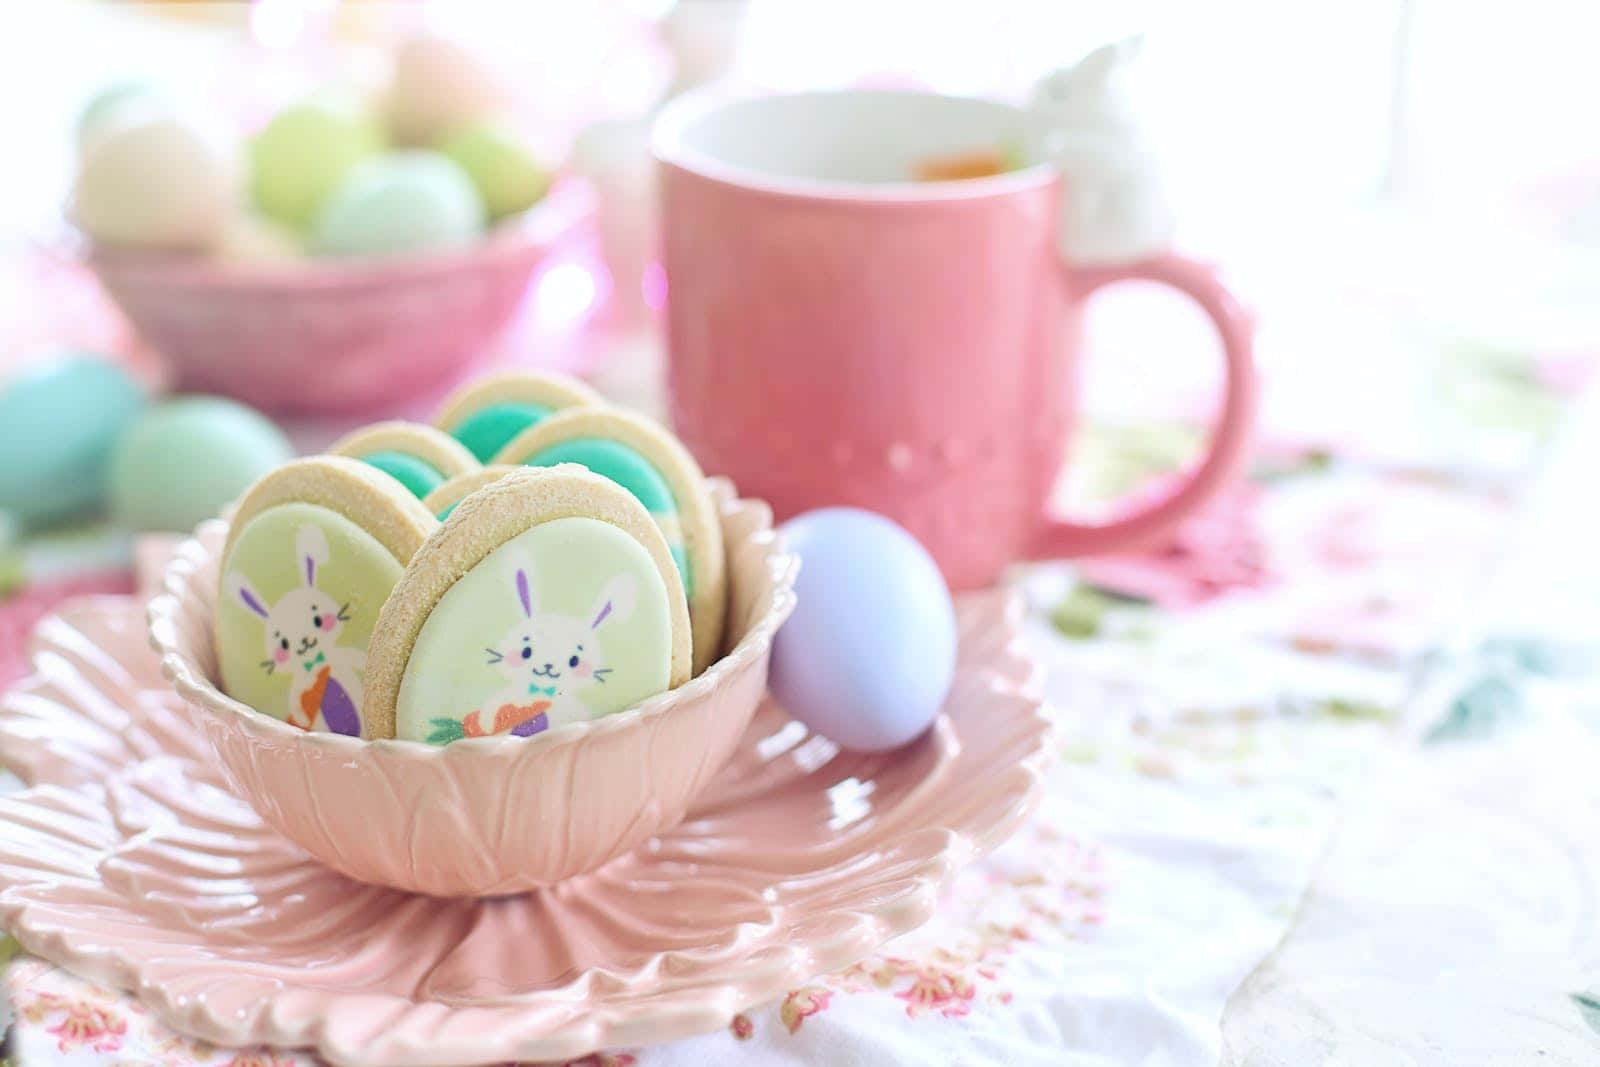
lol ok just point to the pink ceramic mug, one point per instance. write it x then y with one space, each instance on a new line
842 335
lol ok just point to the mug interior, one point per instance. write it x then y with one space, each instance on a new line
852 137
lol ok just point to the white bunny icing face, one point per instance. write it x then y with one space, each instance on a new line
301 620
561 653
566 621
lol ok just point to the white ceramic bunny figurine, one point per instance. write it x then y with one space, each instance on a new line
1116 208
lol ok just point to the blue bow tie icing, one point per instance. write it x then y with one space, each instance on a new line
546 690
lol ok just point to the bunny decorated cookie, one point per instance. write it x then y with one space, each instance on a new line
419 457
548 597
642 457
486 414
400 588
313 551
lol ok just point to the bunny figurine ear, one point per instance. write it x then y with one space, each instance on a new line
1089 93
311 551
238 587
615 602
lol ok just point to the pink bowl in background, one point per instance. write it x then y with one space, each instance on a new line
494 815
337 336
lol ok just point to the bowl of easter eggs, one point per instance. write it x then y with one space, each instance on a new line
483 656
353 250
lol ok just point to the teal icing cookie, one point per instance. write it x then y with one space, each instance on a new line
626 467
547 598
642 457
486 414
419 457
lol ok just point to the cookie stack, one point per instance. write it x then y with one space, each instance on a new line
534 558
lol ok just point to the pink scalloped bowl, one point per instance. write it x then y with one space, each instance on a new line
494 815
337 336
129 862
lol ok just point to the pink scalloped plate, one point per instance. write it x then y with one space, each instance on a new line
128 862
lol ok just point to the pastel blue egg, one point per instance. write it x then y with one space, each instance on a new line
867 657
58 424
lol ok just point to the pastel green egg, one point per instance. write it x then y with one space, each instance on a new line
506 174
184 460
402 202
306 151
58 424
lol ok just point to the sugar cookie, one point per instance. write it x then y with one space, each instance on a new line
548 597
313 550
642 457
487 413
443 500
419 457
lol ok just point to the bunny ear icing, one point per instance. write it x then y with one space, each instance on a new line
311 547
522 593
616 601
238 586
520 569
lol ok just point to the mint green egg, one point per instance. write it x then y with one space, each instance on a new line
304 154
58 424
401 202
184 460
504 170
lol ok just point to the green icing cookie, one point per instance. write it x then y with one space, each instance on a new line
626 467
489 429
418 476
565 622
300 594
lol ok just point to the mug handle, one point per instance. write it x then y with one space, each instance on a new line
1230 434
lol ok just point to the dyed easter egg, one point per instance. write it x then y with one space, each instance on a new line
182 461
507 176
867 657
115 101
401 202
154 180
250 240
58 424
305 152
437 85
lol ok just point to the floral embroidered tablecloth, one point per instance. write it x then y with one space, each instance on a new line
1223 700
